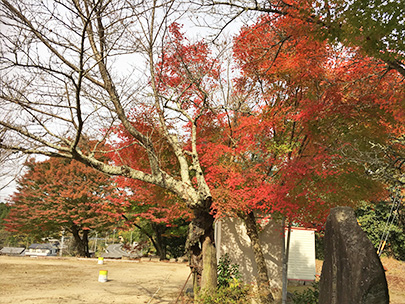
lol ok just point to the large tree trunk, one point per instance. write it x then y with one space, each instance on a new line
201 246
263 285
159 242
286 252
156 242
81 243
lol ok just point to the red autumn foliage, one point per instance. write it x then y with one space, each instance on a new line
185 73
58 194
284 148
145 200
306 102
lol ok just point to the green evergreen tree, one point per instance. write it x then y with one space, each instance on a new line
372 219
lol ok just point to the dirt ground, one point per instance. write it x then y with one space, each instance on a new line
27 280
395 273
75 281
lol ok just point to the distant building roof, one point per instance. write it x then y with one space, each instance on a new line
12 250
42 246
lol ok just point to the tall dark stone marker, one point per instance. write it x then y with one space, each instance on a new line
352 272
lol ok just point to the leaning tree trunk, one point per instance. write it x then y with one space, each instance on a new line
263 285
82 243
201 246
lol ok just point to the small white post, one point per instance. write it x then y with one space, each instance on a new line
103 276
62 242
95 244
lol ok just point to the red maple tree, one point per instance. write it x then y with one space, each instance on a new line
185 75
292 147
280 144
154 206
60 194
306 103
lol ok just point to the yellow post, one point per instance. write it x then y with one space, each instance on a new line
103 276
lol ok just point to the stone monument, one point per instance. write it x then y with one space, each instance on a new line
352 272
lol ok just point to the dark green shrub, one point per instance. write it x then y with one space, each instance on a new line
233 294
308 296
231 289
319 245
372 219
227 272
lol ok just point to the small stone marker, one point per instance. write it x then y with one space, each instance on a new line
352 271
101 260
103 276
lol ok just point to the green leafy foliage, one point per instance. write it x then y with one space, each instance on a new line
308 296
168 240
319 245
175 238
234 294
228 273
230 287
4 210
373 218
377 26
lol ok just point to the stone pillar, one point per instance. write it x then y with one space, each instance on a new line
352 272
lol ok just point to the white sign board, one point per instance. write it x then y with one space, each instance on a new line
301 258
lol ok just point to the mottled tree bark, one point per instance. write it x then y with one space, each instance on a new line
263 284
201 246
81 243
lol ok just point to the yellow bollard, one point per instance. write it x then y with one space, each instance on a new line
102 276
101 260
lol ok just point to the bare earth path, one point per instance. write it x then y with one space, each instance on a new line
69 280
53 280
